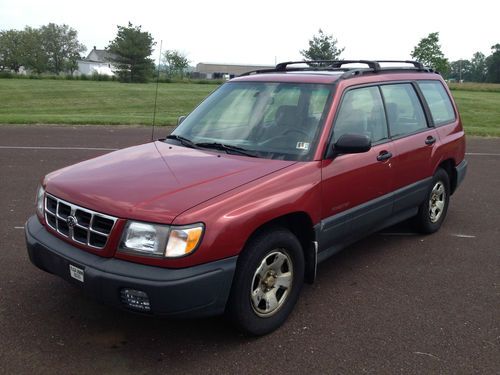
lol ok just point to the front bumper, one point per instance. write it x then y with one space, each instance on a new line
188 292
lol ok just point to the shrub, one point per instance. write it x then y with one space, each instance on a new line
6 75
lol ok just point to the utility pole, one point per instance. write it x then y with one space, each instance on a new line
460 70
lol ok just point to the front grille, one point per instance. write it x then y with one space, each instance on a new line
79 224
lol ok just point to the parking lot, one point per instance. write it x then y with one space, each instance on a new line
396 302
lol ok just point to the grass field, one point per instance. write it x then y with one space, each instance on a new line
474 86
24 101
92 102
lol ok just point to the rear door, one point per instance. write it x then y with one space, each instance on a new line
356 187
415 143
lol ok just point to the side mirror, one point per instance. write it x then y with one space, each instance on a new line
352 144
180 119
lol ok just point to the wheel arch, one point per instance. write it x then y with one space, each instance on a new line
301 226
448 166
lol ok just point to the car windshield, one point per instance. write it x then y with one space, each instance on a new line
262 119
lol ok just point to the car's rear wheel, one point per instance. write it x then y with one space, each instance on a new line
432 211
267 282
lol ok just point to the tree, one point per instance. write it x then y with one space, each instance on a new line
60 43
460 70
34 56
428 51
322 47
10 53
176 63
478 67
71 64
132 49
493 64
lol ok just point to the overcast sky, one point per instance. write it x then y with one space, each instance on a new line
262 32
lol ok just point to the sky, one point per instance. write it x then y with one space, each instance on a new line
265 32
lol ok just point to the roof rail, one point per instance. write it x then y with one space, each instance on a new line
336 64
373 66
416 64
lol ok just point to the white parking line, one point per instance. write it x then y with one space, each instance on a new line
56 148
481 154
18 227
463 235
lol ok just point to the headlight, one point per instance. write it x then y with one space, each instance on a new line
160 240
144 238
40 200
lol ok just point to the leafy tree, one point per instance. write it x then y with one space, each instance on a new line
478 67
322 47
460 70
10 53
428 51
132 49
175 62
71 64
493 64
34 56
60 43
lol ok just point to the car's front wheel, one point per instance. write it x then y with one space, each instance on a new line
267 282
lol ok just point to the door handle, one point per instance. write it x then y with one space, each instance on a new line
430 140
384 155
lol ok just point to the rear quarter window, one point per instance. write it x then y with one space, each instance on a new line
438 101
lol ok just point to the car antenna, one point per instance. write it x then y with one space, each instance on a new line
156 93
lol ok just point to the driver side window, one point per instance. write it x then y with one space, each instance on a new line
361 112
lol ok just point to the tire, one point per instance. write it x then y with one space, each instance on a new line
432 211
272 264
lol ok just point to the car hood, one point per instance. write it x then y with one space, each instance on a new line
155 181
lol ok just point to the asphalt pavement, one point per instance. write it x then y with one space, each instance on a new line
394 303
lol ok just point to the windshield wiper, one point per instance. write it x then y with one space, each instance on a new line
227 148
183 140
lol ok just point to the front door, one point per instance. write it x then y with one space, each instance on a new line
356 187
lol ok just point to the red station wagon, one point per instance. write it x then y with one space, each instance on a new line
273 173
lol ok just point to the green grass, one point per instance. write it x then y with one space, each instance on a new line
92 102
480 112
474 86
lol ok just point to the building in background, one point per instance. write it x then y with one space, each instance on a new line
98 61
224 71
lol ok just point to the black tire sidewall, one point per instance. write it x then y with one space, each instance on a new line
239 306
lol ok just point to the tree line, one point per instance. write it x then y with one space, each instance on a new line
55 49
479 68
51 48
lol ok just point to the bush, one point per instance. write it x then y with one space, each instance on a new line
6 75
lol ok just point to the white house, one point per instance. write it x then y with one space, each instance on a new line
98 61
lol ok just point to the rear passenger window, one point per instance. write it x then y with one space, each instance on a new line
404 111
438 101
361 112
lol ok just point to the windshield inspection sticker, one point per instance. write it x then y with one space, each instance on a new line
302 146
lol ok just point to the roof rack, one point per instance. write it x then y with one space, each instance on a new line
372 66
332 64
